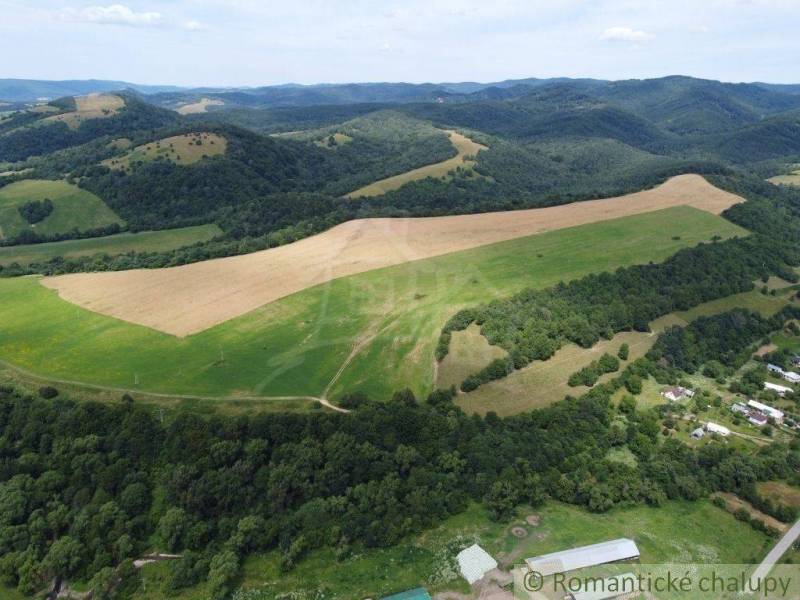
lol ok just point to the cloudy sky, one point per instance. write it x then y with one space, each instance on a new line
251 42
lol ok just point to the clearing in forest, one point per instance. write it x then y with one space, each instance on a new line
191 298
200 106
184 149
467 151
74 209
792 178
93 106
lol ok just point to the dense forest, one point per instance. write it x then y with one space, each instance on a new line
87 487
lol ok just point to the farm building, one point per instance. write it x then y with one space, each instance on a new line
767 410
585 556
791 376
775 369
677 393
756 418
415 594
474 562
698 433
607 589
719 429
781 390
740 408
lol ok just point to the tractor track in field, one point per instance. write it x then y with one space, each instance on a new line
102 388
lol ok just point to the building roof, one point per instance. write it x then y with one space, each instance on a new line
621 584
773 412
415 594
777 388
585 556
474 562
699 432
757 417
791 376
715 428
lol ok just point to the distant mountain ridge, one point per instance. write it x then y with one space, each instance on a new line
30 90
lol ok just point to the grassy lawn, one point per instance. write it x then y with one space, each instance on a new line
145 241
73 208
678 532
378 329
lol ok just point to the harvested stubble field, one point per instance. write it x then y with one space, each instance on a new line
466 148
189 299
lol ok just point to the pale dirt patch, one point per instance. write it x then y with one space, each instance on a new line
765 349
191 298
200 106
467 150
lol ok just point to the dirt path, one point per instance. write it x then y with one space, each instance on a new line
80 384
192 298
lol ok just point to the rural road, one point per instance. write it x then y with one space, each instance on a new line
775 554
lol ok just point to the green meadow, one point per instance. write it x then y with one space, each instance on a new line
676 532
373 332
73 208
145 241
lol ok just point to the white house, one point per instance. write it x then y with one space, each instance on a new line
715 428
474 563
677 393
781 390
767 410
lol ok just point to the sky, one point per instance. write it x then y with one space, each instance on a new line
267 42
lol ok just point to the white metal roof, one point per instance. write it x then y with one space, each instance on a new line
474 562
773 412
585 556
781 389
715 428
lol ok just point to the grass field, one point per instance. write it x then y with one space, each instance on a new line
73 208
93 106
677 532
184 149
375 331
200 106
792 178
146 241
467 151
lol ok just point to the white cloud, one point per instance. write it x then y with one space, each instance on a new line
625 34
193 25
114 14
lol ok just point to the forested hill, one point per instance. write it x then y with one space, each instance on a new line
272 175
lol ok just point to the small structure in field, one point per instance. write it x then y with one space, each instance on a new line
415 594
767 410
796 360
698 433
718 429
585 556
781 390
474 563
791 376
676 393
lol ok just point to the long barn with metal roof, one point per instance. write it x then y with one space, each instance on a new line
585 556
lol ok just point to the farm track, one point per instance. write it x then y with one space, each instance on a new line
118 390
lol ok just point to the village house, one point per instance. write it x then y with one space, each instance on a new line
698 433
756 418
674 394
767 410
718 429
740 408
781 390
